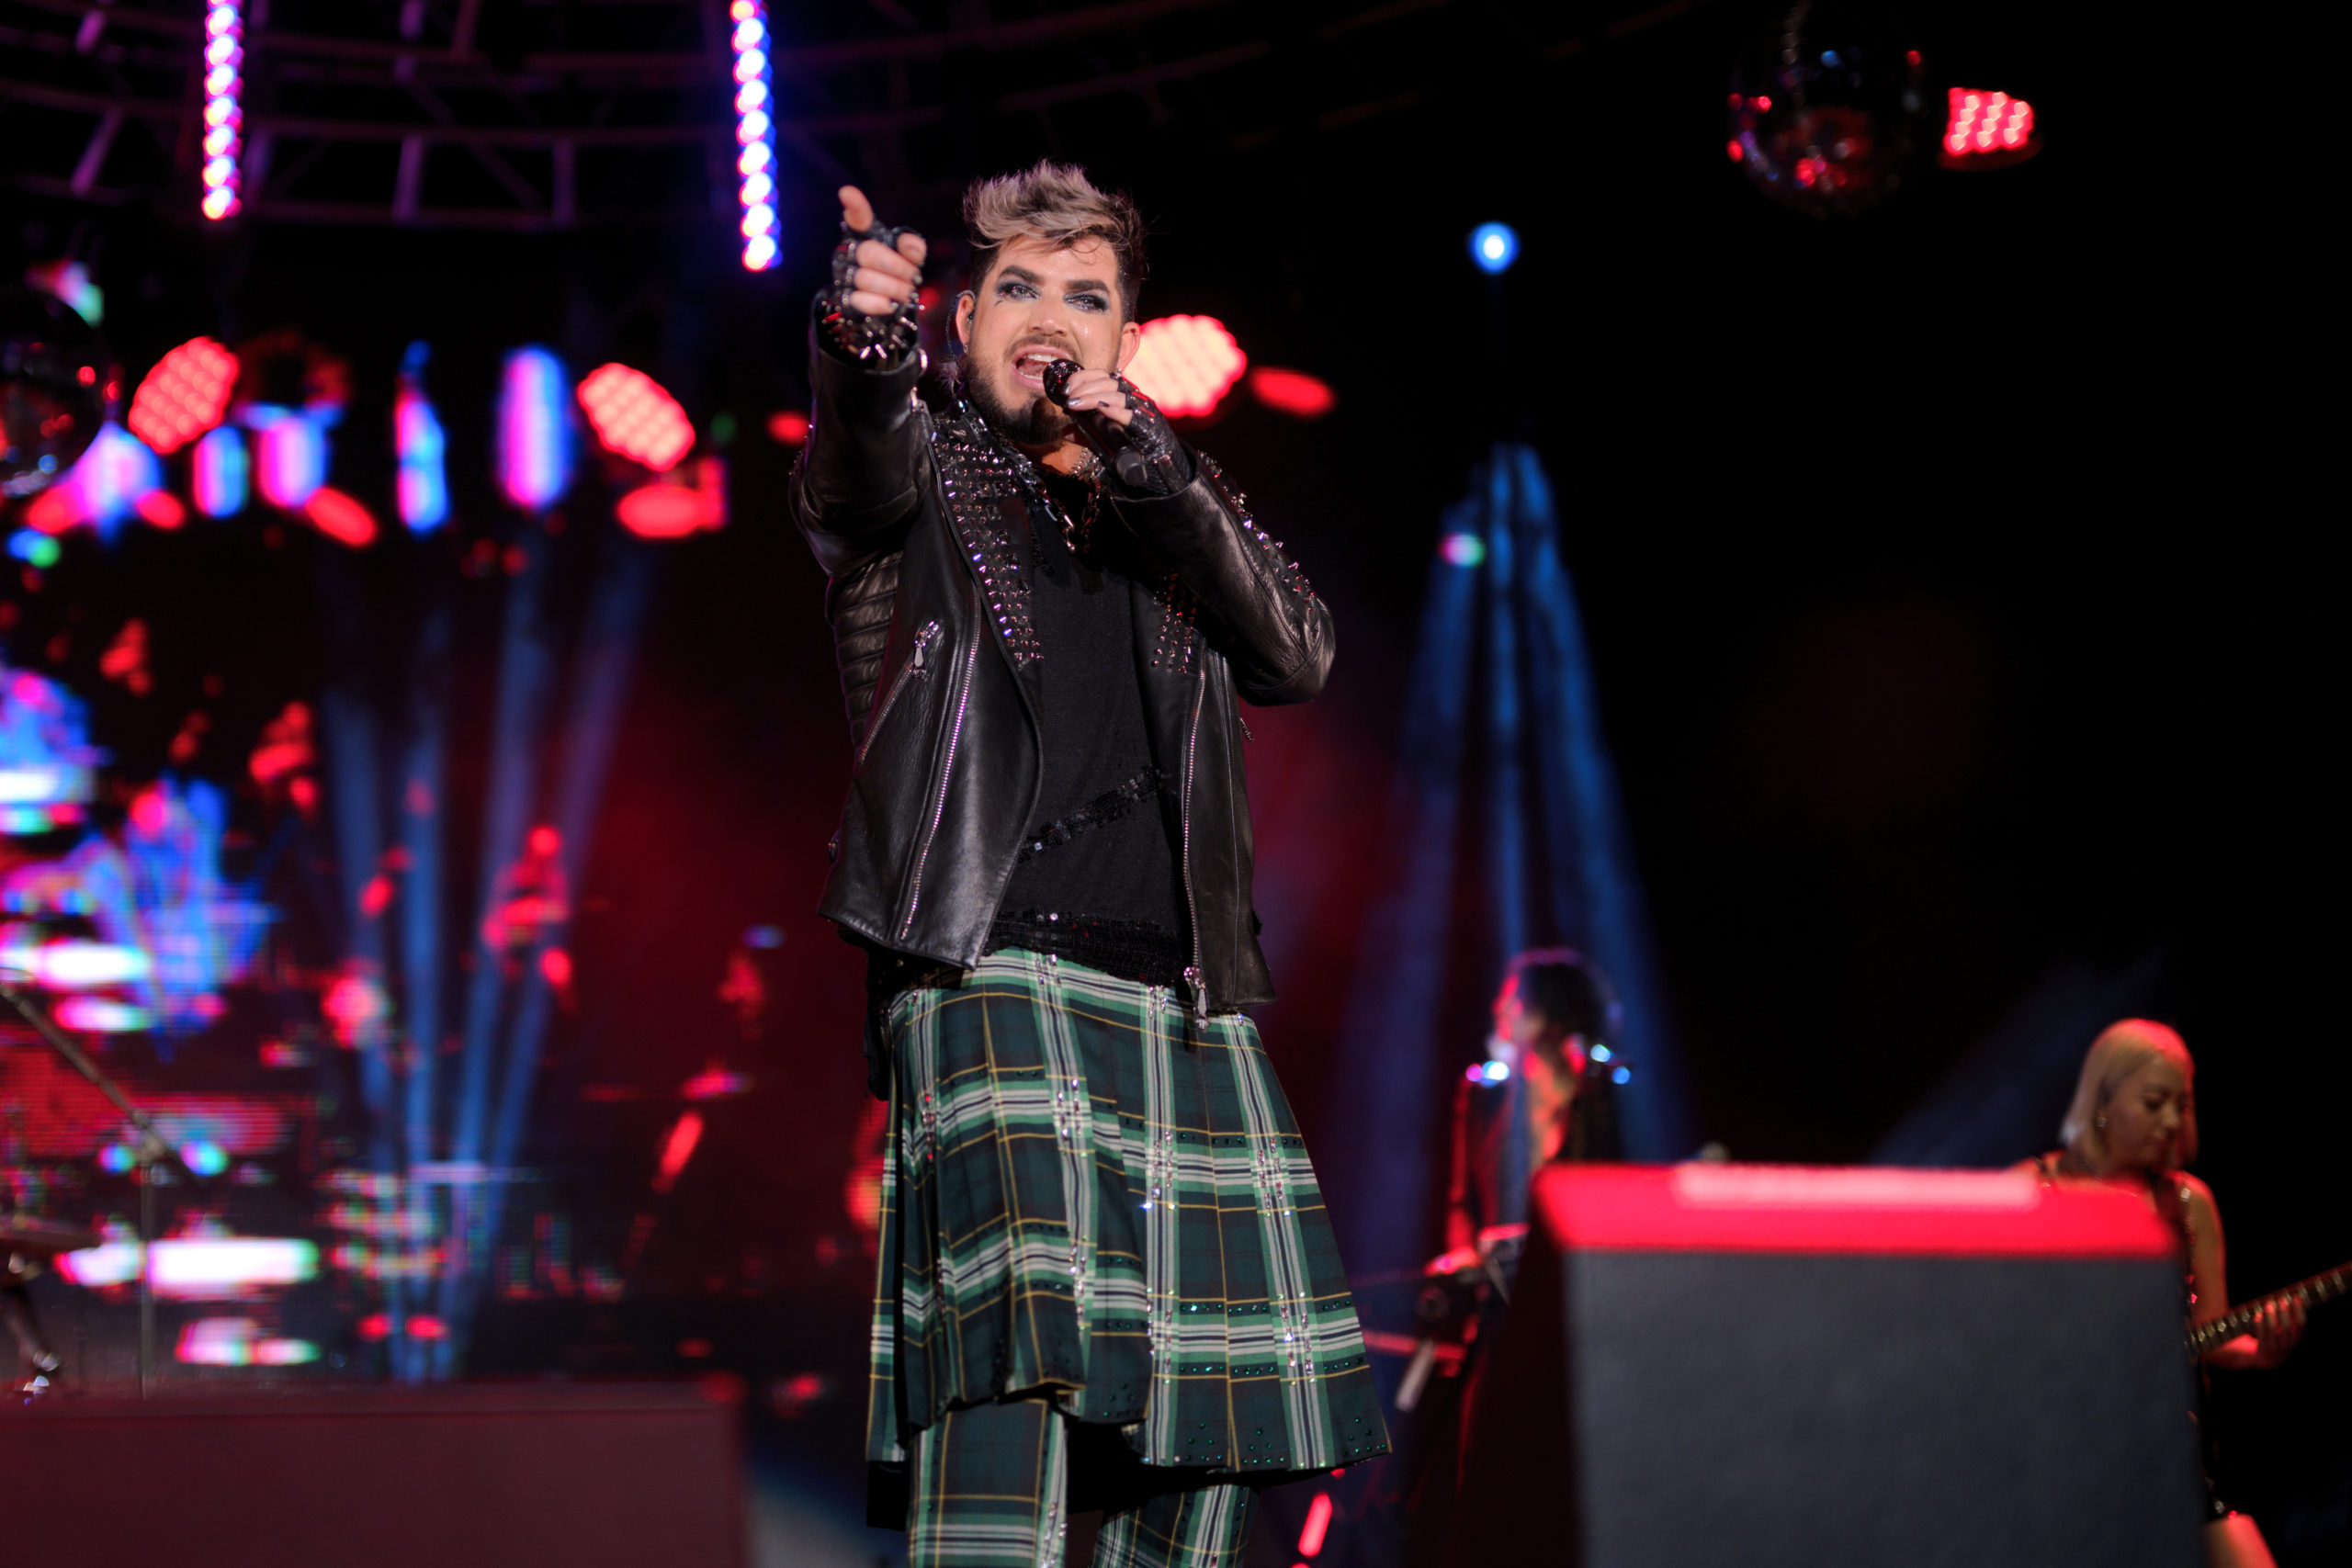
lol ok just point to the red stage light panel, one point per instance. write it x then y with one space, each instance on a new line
788 427
1186 364
1985 130
677 1150
665 510
633 416
340 518
184 396
1319 1524
1292 392
161 508
668 512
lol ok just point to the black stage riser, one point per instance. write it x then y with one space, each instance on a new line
1694 1409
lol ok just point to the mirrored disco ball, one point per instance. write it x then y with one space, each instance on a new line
55 378
1828 110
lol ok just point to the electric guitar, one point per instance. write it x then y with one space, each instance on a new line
2240 1319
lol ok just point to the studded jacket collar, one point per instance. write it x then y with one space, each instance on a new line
916 512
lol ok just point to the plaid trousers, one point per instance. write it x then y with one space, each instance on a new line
990 1492
1096 1199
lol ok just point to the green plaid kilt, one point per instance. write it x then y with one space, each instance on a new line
1095 1195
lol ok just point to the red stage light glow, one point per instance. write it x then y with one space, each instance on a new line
1985 130
377 897
633 416
340 518
160 508
1292 392
125 661
678 1148
713 1082
666 511
1186 364
788 427
185 395
1319 1523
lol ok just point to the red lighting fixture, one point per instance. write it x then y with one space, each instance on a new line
1319 1523
788 427
1292 392
633 416
340 518
677 1150
161 508
184 396
1986 131
1186 364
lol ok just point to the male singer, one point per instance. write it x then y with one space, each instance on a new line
1107 1280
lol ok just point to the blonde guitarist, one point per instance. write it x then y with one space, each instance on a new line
2133 1122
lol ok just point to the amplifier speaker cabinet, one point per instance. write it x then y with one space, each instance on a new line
1751 1366
491 1476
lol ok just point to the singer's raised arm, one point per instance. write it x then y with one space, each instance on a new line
857 483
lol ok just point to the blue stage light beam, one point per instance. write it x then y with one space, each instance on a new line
354 756
1506 803
525 668
1507 836
599 686
1597 892
1376 1164
423 770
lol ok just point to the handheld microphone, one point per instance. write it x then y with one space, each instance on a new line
1108 439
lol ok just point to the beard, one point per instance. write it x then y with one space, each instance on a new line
1036 422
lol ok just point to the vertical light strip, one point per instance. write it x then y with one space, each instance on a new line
754 132
224 91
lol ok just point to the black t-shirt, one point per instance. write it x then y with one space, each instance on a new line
1098 878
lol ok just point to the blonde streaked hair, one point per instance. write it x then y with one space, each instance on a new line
2122 1049
1056 203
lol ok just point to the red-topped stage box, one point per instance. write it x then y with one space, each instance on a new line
1756 1365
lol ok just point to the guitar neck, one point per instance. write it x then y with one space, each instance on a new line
2241 1319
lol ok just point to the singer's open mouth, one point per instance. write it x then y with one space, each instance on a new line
1030 360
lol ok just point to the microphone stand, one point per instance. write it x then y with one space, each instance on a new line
153 1149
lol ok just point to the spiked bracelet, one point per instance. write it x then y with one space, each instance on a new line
869 339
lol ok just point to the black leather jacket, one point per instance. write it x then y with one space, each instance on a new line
914 510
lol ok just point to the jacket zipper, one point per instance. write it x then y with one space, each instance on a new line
1192 976
939 806
916 665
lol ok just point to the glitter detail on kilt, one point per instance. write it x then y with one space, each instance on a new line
1091 1191
976 475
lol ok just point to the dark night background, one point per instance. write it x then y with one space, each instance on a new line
1939 648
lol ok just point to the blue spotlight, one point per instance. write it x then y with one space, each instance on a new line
1493 246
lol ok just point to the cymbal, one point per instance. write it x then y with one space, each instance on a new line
29 1236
